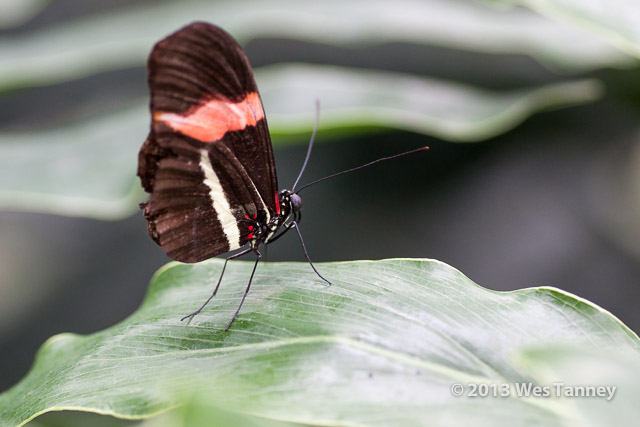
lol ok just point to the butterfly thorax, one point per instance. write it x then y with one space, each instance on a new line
290 204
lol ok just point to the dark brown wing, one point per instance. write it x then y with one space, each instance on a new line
207 162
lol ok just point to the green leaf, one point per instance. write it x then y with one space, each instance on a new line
17 12
197 411
123 38
568 368
365 98
88 169
382 346
616 21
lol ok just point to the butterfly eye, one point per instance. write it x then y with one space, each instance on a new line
296 202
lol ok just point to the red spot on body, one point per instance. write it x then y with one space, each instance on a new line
210 120
277 204
250 227
250 236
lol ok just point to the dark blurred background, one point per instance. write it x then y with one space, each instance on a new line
552 202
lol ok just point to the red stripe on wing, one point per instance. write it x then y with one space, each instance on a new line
277 204
209 121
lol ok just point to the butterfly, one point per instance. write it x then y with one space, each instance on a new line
208 162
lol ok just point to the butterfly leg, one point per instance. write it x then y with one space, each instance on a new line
294 224
246 291
215 291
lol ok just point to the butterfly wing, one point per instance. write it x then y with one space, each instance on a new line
207 162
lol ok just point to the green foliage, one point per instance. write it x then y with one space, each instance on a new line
616 21
70 174
88 169
382 346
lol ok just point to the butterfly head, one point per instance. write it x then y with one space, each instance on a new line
290 204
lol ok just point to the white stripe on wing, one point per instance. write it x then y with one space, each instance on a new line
220 202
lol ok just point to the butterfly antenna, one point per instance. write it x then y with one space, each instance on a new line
313 137
417 150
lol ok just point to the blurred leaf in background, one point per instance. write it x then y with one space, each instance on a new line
350 97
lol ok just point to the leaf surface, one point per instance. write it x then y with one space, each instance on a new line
382 346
